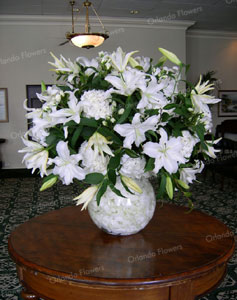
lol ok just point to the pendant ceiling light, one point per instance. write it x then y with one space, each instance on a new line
87 39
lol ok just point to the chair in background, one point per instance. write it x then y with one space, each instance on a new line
226 162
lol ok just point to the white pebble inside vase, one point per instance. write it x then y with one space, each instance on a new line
124 216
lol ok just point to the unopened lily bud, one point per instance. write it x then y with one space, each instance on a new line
121 111
131 184
171 56
49 183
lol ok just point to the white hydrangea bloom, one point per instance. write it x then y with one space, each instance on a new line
91 162
188 142
133 167
97 104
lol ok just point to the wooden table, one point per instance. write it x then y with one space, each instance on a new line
62 255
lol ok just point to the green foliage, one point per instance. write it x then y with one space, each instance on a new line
94 178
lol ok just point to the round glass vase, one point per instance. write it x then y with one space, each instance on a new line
124 216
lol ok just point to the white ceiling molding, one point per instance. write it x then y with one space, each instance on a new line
112 22
195 33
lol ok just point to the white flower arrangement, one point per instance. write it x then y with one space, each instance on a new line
120 118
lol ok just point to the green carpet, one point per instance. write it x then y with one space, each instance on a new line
21 200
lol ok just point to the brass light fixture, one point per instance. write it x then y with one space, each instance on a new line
87 39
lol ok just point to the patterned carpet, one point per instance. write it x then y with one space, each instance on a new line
21 200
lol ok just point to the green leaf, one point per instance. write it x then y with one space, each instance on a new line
152 112
110 135
76 135
188 102
114 162
161 190
200 130
88 122
112 176
43 87
150 165
94 178
170 106
101 191
128 108
115 190
152 133
71 124
87 132
54 136
165 117
204 146
169 187
187 194
131 153
182 111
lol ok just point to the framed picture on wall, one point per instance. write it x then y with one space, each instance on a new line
227 107
3 105
32 99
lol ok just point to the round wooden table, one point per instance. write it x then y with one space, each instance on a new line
62 255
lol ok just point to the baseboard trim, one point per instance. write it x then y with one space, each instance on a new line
16 173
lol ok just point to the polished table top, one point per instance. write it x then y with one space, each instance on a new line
175 245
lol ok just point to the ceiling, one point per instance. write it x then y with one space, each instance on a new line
208 14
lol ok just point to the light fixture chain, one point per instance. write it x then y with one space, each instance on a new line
102 25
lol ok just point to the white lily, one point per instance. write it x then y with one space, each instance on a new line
87 196
152 97
65 66
51 96
200 99
120 59
59 64
211 150
92 65
127 82
66 165
135 132
144 62
36 156
73 111
188 175
100 145
167 152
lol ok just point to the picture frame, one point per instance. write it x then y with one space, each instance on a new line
32 99
4 117
227 107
